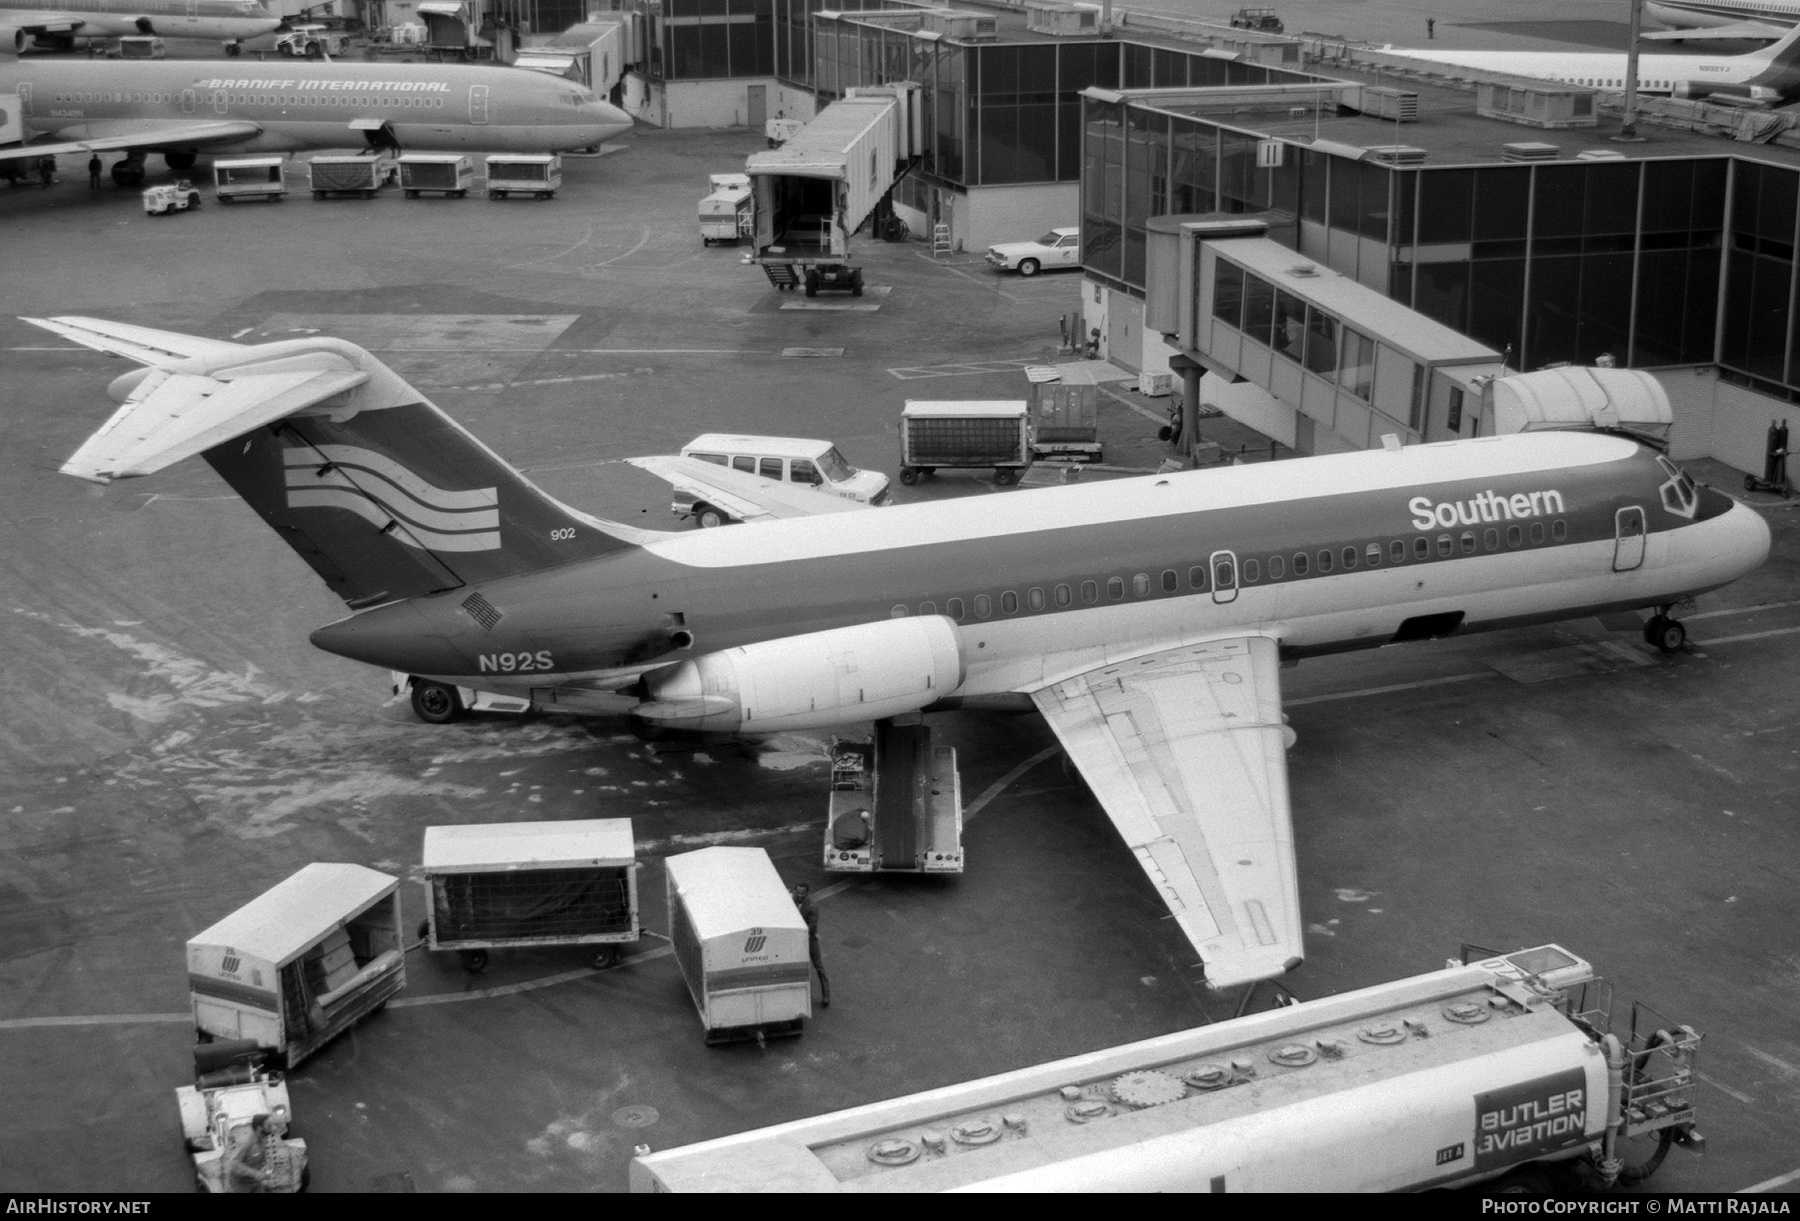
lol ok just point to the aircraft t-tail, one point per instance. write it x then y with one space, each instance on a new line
182 108
1145 618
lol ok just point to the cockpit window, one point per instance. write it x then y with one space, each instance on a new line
1678 494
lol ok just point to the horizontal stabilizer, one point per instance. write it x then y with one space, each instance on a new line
1737 31
171 416
143 344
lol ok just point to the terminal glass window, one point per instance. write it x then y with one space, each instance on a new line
1357 372
1228 292
1760 271
1453 421
1289 325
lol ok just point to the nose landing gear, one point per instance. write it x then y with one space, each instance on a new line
1665 633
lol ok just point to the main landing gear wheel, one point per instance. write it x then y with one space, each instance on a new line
1665 633
435 703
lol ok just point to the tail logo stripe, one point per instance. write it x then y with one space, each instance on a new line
394 501
373 513
394 473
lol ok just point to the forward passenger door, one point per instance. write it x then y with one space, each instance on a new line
1628 539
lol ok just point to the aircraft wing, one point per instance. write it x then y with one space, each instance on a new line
744 496
43 22
1185 751
140 133
143 344
1737 31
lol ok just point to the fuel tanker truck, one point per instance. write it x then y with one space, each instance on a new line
1501 1071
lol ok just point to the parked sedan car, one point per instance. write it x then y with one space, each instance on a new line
1057 248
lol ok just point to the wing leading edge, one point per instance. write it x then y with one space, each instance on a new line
1185 750
139 134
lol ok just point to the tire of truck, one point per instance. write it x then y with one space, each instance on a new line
435 703
709 518
412 194
909 475
1005 476
496 194
1028 267
812 283
193 202
313 50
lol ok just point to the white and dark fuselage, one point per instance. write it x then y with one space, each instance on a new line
302 105
1323 554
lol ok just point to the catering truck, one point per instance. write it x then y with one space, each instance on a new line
829 179
1502 1070
725 211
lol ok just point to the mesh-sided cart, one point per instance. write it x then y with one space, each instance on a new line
531 884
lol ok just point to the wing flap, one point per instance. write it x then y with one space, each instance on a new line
744 496
1185 751
171 416
144 133
143 344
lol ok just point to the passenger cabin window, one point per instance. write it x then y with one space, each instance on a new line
1299 563
1063 595
1513 537
1197 576
1224 575
1009 603
1115 588
954 608
1372 554
1491 539
802 471
928 608
1170 581
1559 530
1277 568
898 612
984 606
744 463
1252 572
1537 533
1034 598
770 468
1397 551
1140 584
1090 592
1467 539
1349 558
1324 562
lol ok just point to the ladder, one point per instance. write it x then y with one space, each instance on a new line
940 241
781 275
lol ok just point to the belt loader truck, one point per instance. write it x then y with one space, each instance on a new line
829 179
1489 1071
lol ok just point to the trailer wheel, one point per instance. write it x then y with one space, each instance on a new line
412 194
709 517
909 475
1005 476
1028 267
606 956
461 194
435 703
318 195
474 961
424 930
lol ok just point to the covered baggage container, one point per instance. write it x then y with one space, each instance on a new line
355 175
300 964
530 884
740 943
535 174
449 173
978 432
237 178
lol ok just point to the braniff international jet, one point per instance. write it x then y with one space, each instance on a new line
1145 618
1768 74
23 22
182 108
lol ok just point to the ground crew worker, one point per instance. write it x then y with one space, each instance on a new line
248 1169
94 172
46 168
809 912
1430 28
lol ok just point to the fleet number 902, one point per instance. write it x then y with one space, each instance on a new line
514 663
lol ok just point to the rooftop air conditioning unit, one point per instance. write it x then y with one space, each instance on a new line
1396 154
1529 150
1050 17
1536 105
964 27
1396 104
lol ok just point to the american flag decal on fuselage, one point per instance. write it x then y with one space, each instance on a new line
392 498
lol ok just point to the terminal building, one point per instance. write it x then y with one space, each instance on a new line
1497 208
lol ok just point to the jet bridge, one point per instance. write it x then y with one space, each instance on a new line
1352 364
821 186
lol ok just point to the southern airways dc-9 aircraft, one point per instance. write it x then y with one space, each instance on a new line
1769 74
182 108
1145 618
53 24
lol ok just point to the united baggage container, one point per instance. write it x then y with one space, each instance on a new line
1499 1070
740 943
302 963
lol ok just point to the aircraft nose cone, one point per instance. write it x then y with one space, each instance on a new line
610 121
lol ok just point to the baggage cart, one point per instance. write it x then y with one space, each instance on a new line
725 213
355 175
896 804
1066 423
965 433
451 174
535 174
530 884
237 178
300 964
740 943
